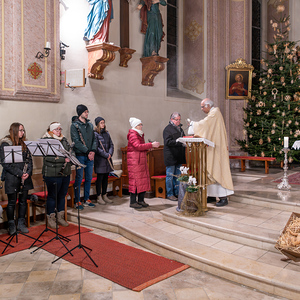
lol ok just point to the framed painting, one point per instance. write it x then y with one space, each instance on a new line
239 80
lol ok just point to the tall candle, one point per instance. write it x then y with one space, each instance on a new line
286 142
48 46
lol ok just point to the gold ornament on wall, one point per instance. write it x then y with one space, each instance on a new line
193 31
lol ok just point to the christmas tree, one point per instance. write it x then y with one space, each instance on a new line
273 111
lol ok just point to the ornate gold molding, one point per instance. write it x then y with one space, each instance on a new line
240 63
99 57
151 66
125 56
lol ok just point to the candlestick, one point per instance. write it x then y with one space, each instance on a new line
48 45
284 185
286 142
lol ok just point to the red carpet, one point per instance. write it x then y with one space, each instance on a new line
25 242
293 179
130 267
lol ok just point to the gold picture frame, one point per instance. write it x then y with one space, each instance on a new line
239 80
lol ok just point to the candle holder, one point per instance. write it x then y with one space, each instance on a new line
284 185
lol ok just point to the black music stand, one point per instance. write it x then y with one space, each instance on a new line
80 245
47 147
1 210
13 154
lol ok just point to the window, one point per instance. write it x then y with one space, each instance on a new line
172 44
256 33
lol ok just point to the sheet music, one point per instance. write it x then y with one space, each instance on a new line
34 148
51 147
13 154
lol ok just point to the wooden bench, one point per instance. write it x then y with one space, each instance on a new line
159 186
42 197
244 158
116 181
4 206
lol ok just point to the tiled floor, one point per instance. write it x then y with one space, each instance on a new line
33 276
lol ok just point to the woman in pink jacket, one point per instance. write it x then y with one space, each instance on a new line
138 172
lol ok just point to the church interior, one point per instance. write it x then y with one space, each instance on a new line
48 68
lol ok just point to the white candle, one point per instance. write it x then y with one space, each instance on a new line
48 45
286 142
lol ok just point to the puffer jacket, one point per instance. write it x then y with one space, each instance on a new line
87 132
12 172
52 165
138 172
101 164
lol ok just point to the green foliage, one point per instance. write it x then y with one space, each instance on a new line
273 111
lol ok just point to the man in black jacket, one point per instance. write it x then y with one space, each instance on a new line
174 154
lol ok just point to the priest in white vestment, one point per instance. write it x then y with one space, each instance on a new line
212 127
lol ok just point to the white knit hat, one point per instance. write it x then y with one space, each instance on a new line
54 126
134 122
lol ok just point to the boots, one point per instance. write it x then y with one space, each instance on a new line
11 227
51 221
106 199
100 200
61 219
21 226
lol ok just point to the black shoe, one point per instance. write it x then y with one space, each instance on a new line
21 226
211 199
136 205
143 203
223 201
11 227
172 198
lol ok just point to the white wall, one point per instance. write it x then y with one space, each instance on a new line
116 98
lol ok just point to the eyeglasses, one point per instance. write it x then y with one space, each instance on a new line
21 130
58 129
177 119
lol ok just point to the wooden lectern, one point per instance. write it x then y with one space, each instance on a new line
197 163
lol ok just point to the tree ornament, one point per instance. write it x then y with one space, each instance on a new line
269 139
280 68
287 97
282 79
261 141
263 154
274 93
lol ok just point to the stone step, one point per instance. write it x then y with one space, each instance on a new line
172 241
279 200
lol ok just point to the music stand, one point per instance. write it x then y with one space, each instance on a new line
13 154
47 147
80 245
1 211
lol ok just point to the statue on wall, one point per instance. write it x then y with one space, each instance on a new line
152 25
98 21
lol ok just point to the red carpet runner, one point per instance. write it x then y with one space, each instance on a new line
130 267
293 179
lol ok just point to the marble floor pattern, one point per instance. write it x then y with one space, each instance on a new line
33 276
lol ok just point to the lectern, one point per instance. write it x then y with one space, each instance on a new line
197 164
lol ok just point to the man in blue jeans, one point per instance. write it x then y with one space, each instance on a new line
174 154
82 134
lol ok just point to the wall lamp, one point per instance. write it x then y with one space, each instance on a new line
47 49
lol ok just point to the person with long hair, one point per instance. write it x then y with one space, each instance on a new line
103 163
138 171
17 178
56 172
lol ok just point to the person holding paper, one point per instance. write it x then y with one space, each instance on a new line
56 171
103 162
17 177
212 127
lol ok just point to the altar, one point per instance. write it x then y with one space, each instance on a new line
196 156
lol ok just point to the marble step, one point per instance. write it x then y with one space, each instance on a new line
170 241
228 228
276 200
